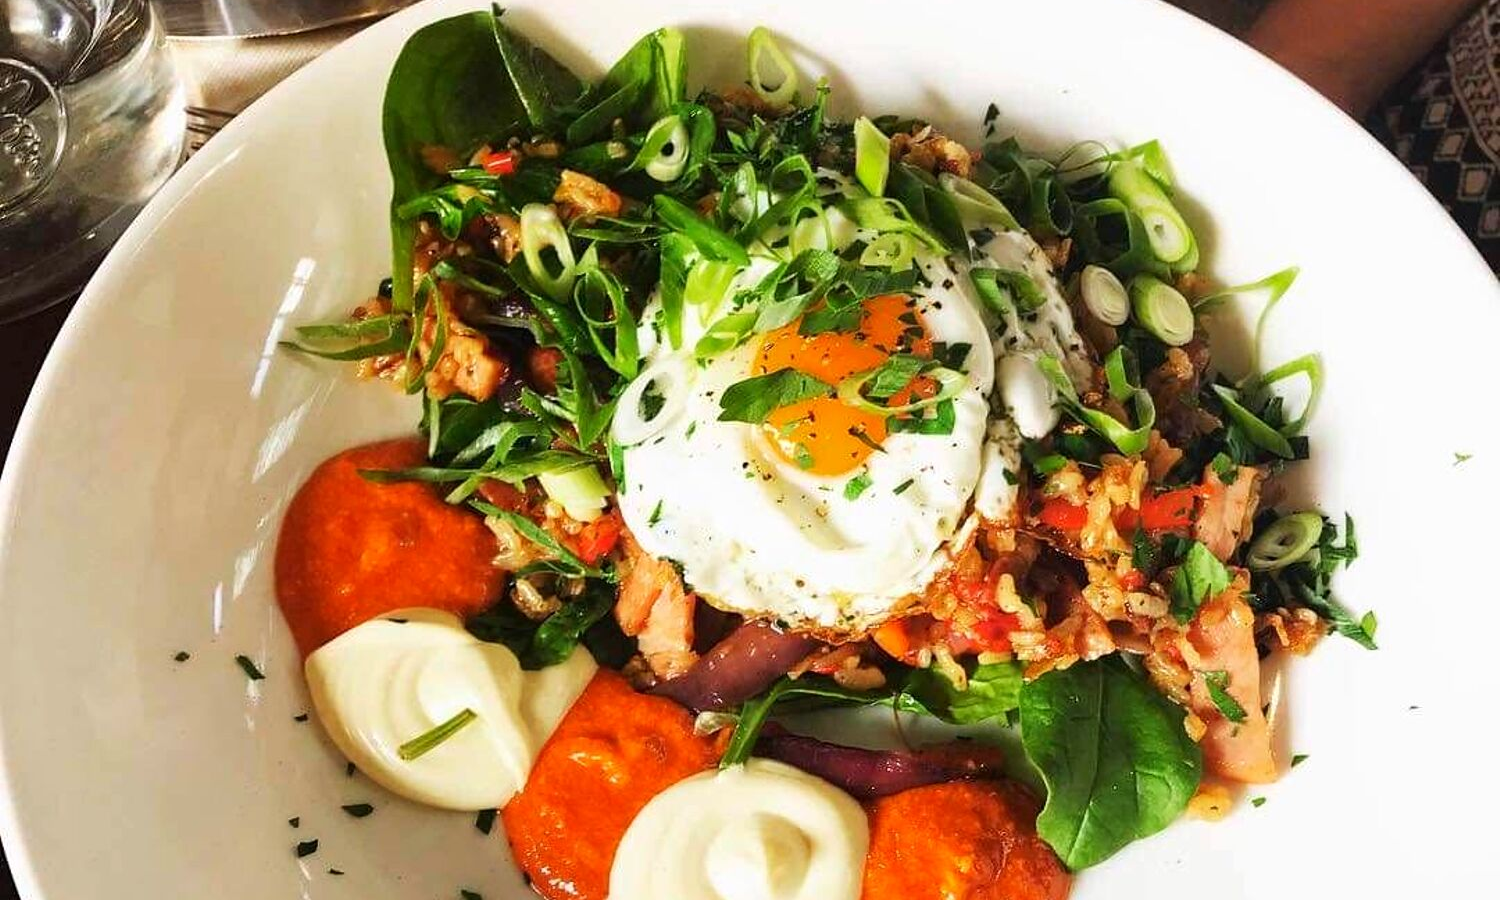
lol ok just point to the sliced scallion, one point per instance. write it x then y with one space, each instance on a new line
872 156
762 44
542 230
1104 295
977 205
889 251
1168 233
950 385
664 154
1126 439
1310 365
1162 310
708 284
669 379
1259 433
1275 286
1288 540
428 740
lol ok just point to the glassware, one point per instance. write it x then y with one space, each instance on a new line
91 125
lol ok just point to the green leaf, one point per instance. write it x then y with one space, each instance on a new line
563 559
856 486
1199 577
1000 288
1113 753
709 240
542 84
449 88
1218 692
753 399
756 711
993 692
560 632
1126 439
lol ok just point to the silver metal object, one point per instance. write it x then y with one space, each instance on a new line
263 18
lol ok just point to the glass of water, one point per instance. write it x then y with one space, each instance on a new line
91 124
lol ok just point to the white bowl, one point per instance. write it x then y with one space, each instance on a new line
166 433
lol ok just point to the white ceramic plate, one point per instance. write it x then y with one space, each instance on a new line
166 433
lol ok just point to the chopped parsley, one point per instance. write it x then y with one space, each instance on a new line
307 848
1199 577
485 820
753 399
856 486
655 514
1461 458
1218 692
182 656
358 810
901 488
1257 802
251 672
1298 759
803 457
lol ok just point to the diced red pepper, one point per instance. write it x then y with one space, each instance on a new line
1166 511
502 162
597 538
505 496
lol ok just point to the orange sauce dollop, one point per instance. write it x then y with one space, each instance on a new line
351 549
612 752
974 840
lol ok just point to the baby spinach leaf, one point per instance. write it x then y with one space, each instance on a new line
640 88
542 84
1112 750
753 399
448 89
993 691
1200 577
539 645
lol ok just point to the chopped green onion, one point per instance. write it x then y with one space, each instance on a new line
761 43
1003 288
708 284
889 251
580 492
1275 286
1126 439
1259 433
664 153
872 156
1218 692
1162 310
811 232
1171 240
428 740
1104 295
885 215
857 485
541 229
598 293
1310 365
1288 540
725 334
710 241
950 383
633 423
977 204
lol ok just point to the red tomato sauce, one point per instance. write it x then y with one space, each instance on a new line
613 752
351 549
974 840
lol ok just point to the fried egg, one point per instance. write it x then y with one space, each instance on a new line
825 517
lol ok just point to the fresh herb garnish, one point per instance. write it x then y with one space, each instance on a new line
902 487
307 848
300 717
1199 577
182 656
1218 692
430 739
856 486
295 821
358 810
753 399
1298 759
1257 802
251 672
655 514
485 821
1461 458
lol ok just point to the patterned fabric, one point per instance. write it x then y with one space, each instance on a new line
1443 121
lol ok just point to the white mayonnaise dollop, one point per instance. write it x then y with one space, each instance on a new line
761 831
395 678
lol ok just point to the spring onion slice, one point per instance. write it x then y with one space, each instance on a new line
1275 285
810 229
710 241
1288 540
1104 295
1310 365
1000 288
708 284
976 204
600 298
889 251
541 229
670 377
1162 310
1171 239
762 44
1259 433
429 740
885 216
950 385
1126 439
664 153
872 156
725 334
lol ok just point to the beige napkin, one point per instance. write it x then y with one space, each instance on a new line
228 74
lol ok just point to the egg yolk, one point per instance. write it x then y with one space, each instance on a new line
824 435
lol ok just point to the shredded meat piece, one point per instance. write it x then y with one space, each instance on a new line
467 363
1228 510
580 197
504 235
1174 388
1222 638
1160 457
654 607
932 151
1057 250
